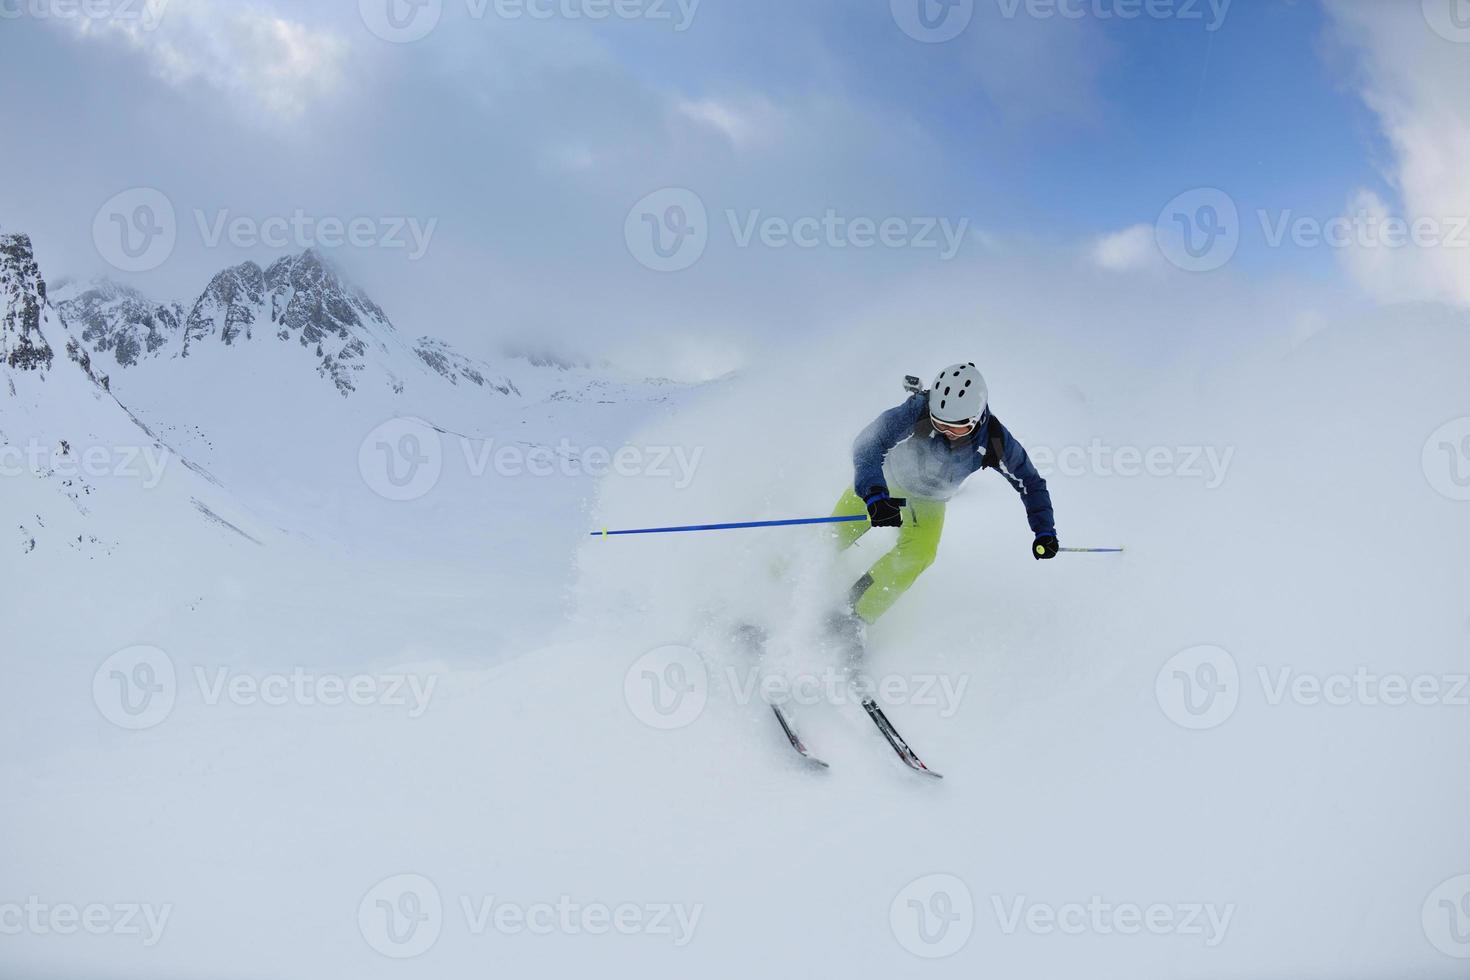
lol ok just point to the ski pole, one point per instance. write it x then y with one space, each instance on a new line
604 533
1092 551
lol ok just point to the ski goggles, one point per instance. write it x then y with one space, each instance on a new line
955 429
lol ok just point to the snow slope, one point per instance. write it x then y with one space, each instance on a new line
272 833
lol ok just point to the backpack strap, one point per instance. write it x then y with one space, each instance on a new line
996 444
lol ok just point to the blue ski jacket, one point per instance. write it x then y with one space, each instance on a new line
900 445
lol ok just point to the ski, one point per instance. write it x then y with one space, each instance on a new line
909 757
794 738
754 640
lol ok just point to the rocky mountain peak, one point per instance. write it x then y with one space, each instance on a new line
23 308
109 317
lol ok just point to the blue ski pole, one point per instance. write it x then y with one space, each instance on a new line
1092 551
604 533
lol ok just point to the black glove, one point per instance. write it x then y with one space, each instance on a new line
1045 546
883 510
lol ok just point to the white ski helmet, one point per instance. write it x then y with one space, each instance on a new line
959 395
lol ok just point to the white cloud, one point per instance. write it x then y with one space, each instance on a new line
267 64
1125 251
754 123
1415 80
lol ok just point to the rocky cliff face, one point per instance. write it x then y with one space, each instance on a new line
111 319
23 309
298 299
456 368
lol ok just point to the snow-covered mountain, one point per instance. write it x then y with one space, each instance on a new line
271 382
112 319
298 300
298 315
455 368
81 473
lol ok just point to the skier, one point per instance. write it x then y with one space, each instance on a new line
914 458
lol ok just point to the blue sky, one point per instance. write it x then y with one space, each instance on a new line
526 142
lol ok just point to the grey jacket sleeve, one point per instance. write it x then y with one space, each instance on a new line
882 434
